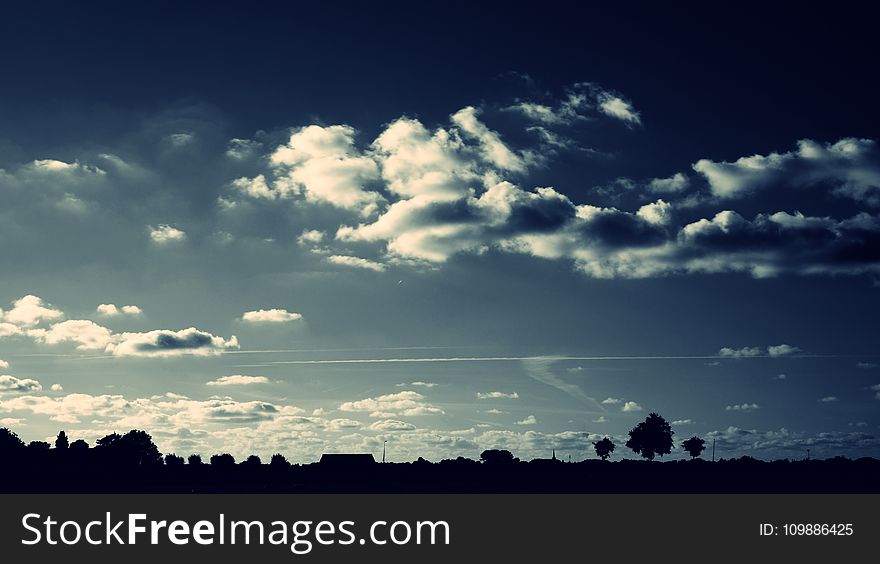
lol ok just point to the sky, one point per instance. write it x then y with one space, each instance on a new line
306 229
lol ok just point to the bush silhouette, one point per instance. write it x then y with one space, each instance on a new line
79 445
194 460
651 437
604 448
694 446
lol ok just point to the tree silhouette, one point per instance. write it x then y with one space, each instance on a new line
135 448
278 461
694 446
651 437
604 448
10 444
61 442
495 456
173 461
252 461
194 460
224 460
79 445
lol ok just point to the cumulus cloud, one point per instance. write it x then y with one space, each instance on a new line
679 422
530 420
497 395
676 183
612 401
28 311
323 164
12 384
407 403
750 352
56 388
310 237
159 412
782 350
238 380
742 407
168 343
631 406
110 310
3 363
87 335
270 316
164 234
387 425
850 167
356 262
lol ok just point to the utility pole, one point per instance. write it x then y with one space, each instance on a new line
713 450
383 451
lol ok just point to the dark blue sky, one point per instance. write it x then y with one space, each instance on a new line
715 190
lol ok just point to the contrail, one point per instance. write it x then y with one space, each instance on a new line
519 358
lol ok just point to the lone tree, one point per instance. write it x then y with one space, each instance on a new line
694 446
61 442
604 448
651 437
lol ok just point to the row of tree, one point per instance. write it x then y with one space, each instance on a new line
650 438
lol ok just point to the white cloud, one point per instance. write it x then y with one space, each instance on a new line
611 401
744 352
28 311
255 187
324 165
828 399
270 316
407 403
56 388
310 237
357 262
87 335
851 167
497 395
782 350
387 425
494 411
493 149
742 407
631 406
617 107
676 183
238 380
530 420
748 352
9 329
419 383
4 364
164 234
168 343
600 419
679 422
18 385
